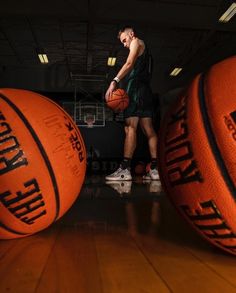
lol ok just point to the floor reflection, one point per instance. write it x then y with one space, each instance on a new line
96 186
133 206
122 187
125 187
144 218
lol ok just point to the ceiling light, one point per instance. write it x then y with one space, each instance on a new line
111 61
229 13
175 71
43 58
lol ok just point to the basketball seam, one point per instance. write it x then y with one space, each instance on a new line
115 104
42 151
211 138
12 230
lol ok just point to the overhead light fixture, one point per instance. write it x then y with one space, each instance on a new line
176 71
111 61
43 58
229 13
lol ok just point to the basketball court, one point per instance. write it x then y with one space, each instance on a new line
121 238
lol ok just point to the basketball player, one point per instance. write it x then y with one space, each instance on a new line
137 69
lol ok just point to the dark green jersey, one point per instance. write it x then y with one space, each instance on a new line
138 88
142 68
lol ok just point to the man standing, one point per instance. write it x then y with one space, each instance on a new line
140 109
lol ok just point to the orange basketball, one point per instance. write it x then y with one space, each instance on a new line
42 162
197 148
118 101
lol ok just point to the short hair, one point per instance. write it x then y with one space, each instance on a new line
124 28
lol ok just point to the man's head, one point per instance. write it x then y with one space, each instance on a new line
126 35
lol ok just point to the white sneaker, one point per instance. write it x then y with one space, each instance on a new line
120 174
120 186
152 175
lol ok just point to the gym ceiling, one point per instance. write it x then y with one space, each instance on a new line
78 36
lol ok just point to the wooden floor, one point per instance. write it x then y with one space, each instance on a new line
117 238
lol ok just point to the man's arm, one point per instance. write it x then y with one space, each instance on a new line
135 48
131 59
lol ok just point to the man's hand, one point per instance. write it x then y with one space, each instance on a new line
111 89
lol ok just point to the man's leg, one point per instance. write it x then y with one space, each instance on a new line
149 131
147 127
131 124
123 173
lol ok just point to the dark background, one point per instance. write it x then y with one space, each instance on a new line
78 37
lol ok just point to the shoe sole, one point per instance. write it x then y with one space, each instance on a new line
150 178
118 179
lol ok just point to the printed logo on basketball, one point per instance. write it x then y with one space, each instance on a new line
74 139
230 123
26 205
67 141
209 220
181 166
11 154
58 126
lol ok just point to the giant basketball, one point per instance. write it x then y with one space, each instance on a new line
197 150
42 162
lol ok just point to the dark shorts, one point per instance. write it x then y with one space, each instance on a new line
140 100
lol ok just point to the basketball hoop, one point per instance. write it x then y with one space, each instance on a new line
89 119
87 113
